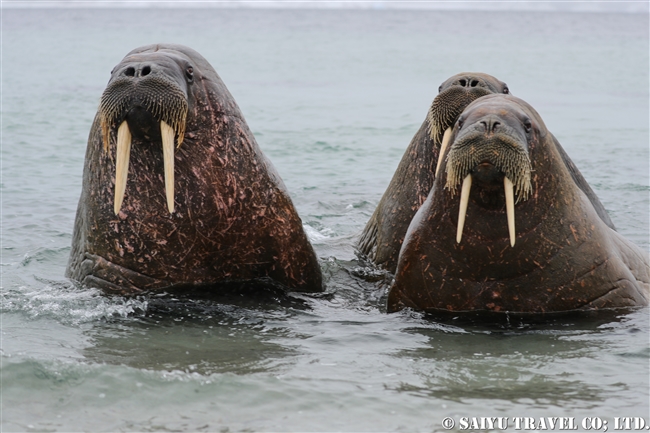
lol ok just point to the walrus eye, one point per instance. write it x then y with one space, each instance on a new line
189 73
439 89
506 90
460 123
528 125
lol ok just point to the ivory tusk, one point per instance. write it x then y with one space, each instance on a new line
510 209
167 133
121 164
443 148
462 210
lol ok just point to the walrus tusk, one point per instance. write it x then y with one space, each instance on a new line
443 147
167 133
510 209
462 210
121 164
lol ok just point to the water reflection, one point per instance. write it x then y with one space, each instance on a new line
558 363
232 333
245 329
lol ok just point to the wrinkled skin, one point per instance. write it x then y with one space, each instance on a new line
232 217
566 256
382 237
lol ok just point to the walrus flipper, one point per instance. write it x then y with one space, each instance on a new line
584 186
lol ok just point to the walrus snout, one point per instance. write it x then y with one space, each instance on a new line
490 148
454 96
489 155
146 100
161 92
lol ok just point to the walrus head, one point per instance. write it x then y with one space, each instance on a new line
453 96
147 99
491 147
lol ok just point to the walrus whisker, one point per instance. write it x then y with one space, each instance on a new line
167 133
164 101
121 164
448 105
504 152
443 148
510 208
462 209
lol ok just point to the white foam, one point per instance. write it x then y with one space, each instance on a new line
315 235
69 304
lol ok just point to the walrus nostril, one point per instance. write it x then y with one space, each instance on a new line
145 71
490 125
474 83
129 72
462 82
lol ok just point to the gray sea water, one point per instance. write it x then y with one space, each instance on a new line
333 97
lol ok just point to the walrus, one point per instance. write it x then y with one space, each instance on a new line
176 192
507 228
382 236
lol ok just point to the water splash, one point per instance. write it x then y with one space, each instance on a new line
68 304
317 235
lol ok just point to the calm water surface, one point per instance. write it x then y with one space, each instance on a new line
333 97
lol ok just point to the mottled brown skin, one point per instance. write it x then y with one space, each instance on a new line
233 218
566 256
382 237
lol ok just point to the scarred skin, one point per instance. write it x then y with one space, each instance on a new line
566 256
233 219
382 237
